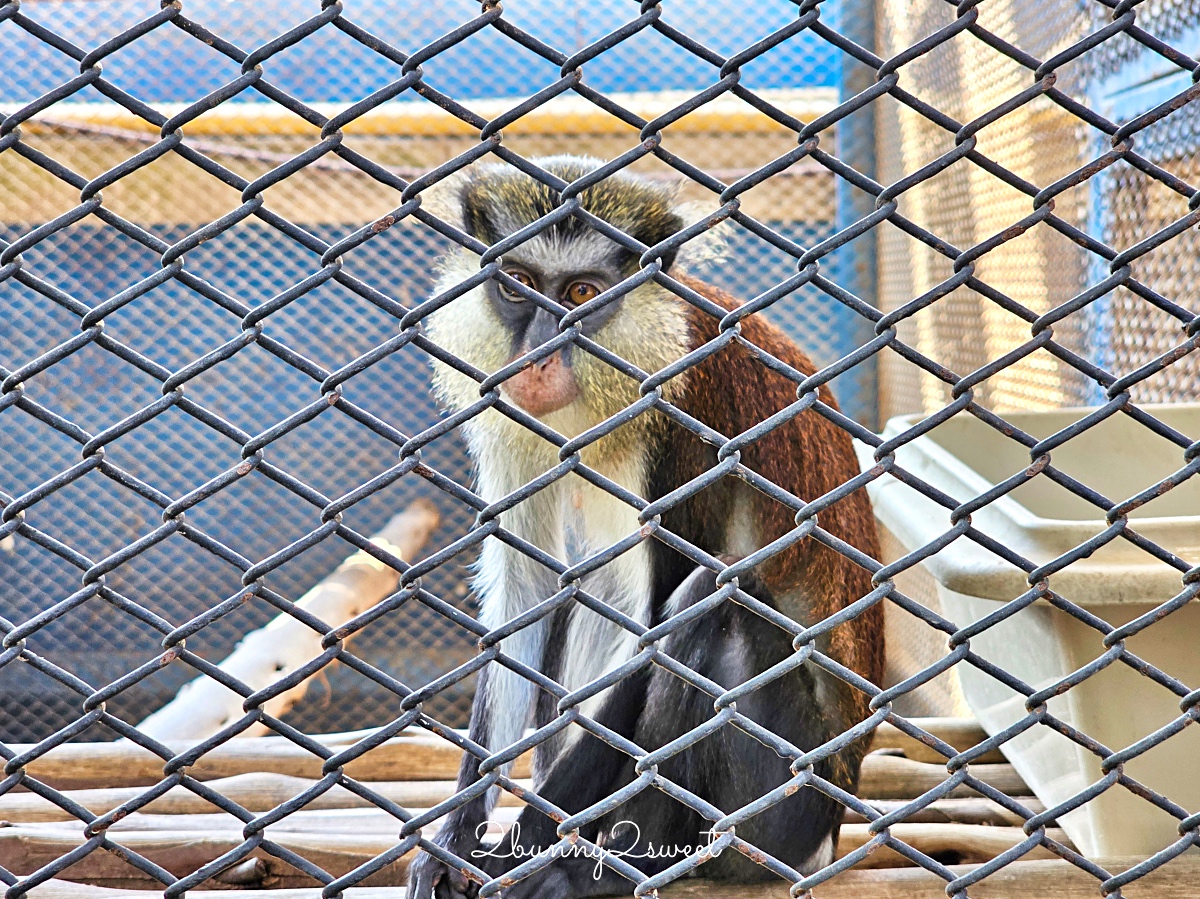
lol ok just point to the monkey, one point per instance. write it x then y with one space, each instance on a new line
673 571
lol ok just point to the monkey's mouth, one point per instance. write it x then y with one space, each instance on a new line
544 387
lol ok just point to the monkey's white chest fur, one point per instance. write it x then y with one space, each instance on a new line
573 521
594 522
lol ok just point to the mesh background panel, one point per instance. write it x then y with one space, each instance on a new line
175 453
966 205
1135 207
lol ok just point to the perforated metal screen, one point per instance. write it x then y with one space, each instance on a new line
1040 142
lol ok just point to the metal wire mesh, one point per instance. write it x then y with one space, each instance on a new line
171 198
1041 142
1035 236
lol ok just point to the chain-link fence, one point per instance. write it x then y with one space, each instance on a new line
218 239
171 198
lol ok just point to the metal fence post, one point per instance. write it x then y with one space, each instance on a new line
855 142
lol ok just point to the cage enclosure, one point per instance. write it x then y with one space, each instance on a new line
243 549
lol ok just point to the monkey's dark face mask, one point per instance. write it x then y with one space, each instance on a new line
569 265
549 383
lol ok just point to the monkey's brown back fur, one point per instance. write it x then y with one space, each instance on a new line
731 391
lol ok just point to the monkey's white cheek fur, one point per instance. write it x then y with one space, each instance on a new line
469 328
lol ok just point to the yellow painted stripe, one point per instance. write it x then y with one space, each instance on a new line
562 115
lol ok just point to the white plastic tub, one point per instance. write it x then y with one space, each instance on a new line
1041 644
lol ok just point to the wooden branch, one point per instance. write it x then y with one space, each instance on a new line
204 706
254 792
1051 879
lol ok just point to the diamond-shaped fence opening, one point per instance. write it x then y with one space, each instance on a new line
291 533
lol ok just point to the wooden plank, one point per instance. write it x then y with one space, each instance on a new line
1046 879
66 889
1050 879
374 821
261 792
26 848
959 843
894 777
416 756
961 733
255 792
976 811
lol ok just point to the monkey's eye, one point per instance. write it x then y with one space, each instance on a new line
516 275
579 292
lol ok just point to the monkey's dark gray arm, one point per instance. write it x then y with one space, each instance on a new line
586 773
508 584
461 829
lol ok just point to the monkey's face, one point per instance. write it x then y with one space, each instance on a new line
563 268
574 275
511 317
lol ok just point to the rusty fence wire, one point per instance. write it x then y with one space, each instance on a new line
977 361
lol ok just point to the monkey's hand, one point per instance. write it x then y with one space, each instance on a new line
431 878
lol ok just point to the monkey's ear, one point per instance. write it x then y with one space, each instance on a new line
445 199
707 248
475 218
457 201
658 227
